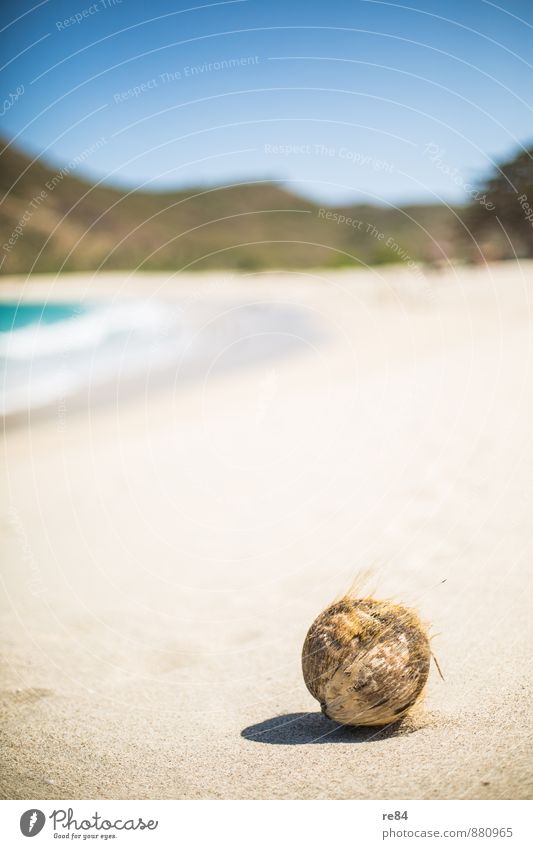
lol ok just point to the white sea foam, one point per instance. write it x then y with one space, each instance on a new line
84 331
43 362
51 358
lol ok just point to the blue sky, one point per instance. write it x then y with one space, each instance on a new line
357 100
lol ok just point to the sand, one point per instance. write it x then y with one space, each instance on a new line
165 553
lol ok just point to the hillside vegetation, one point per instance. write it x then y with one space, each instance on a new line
50 220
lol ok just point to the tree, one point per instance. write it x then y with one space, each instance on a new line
500 218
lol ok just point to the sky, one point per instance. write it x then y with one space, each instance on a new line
349 101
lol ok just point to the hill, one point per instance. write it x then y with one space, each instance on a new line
50 220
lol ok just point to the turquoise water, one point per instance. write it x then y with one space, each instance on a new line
53 351
50 352
14 316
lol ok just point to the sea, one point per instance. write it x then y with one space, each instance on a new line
51 352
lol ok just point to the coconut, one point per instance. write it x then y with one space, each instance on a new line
366 661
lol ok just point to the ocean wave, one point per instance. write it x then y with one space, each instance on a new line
52 352
43 361
83 331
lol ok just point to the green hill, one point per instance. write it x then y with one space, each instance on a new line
50 221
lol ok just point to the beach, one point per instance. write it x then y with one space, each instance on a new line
166 547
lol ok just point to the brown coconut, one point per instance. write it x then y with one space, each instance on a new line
366 661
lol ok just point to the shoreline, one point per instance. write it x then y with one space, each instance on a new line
110 350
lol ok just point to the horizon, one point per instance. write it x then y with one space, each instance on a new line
340 110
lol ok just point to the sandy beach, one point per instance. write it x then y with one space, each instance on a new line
166 550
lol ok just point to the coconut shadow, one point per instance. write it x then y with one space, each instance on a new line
298 729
